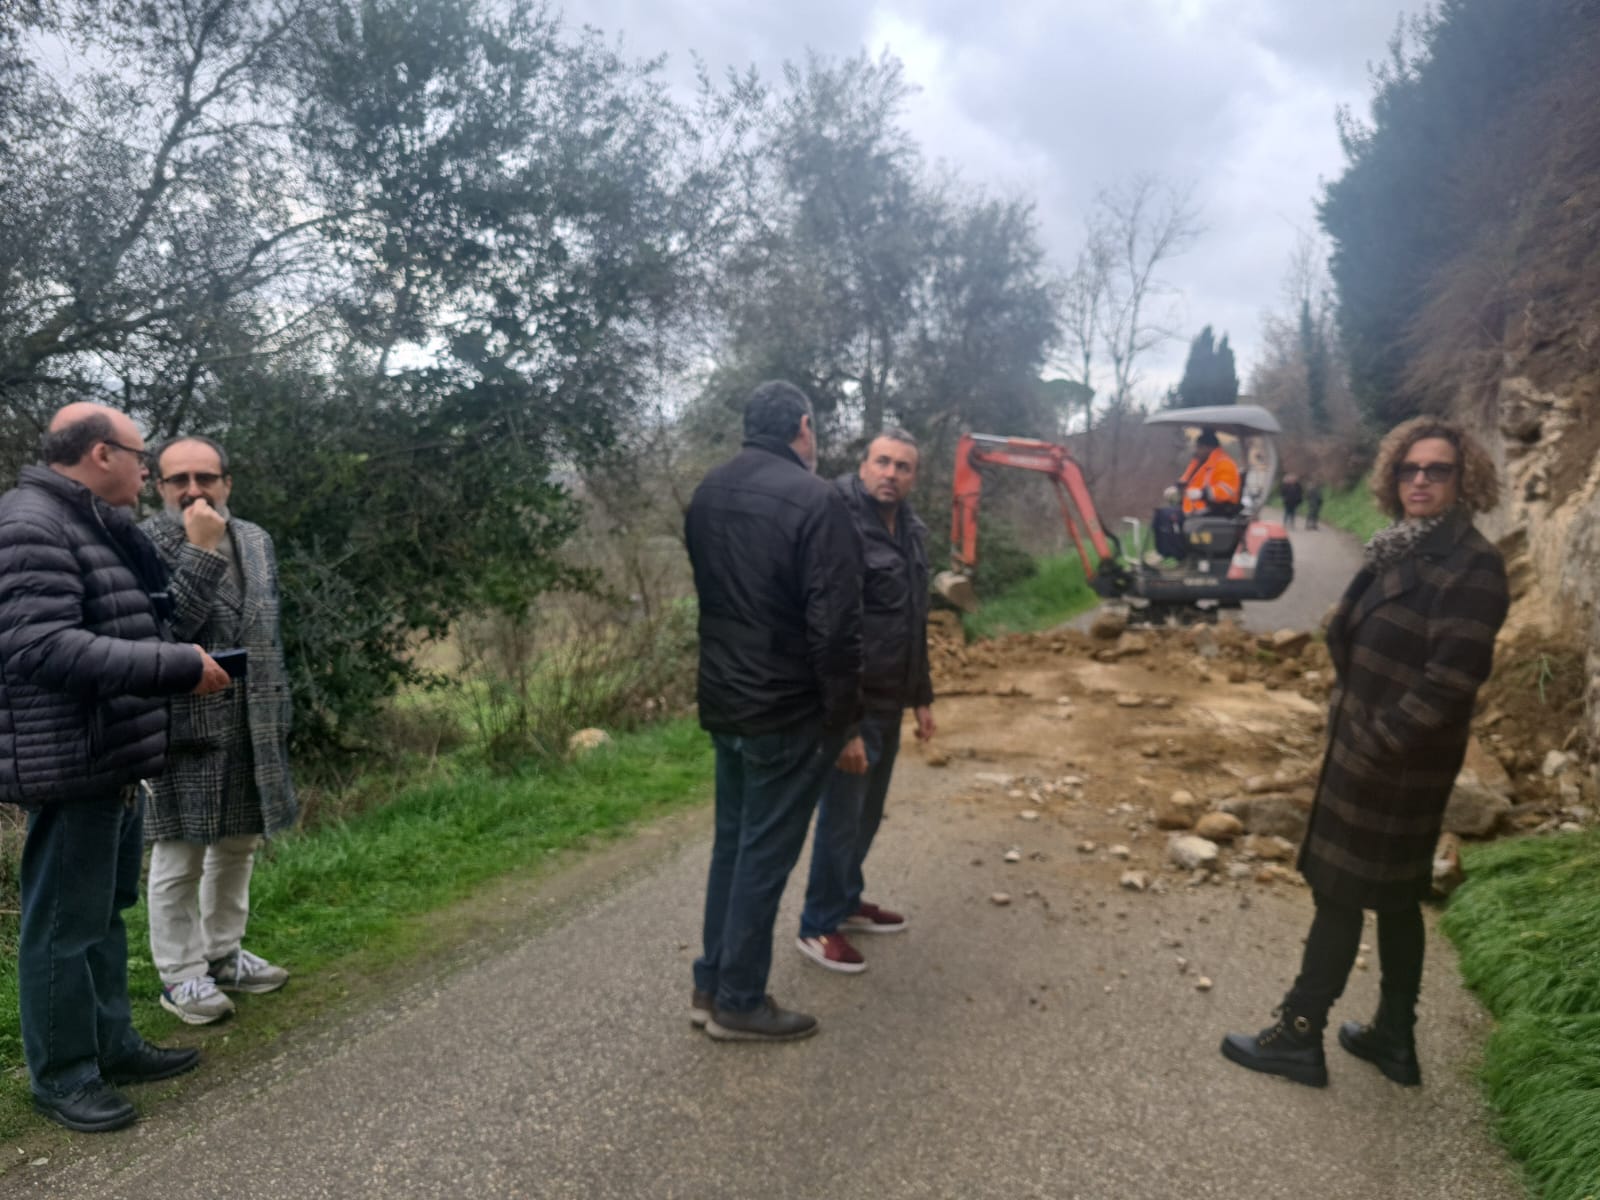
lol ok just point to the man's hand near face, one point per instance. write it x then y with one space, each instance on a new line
203 525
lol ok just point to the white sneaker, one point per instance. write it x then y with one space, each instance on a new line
196 1001
242 971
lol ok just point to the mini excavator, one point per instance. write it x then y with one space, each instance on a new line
1227 558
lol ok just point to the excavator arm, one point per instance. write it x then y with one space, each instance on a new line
1072 494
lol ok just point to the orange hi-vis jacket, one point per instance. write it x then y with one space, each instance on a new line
1218 473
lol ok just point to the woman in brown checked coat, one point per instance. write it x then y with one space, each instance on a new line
1411 640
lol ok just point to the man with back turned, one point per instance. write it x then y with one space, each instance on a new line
777 568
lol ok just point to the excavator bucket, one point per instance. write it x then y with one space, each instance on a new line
956 589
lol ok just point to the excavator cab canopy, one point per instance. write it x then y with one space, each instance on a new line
1251 428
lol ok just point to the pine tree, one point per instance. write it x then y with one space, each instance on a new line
1314 354
1210 375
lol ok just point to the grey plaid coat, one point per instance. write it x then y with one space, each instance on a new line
228 755
1411 647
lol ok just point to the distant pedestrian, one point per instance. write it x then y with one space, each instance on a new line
777 569
227 782
1313 504
895 677
1291 493
1412 640
85 672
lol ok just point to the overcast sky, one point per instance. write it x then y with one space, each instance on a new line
1055 100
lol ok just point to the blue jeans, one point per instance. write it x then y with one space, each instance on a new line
767 787
80 869
847 821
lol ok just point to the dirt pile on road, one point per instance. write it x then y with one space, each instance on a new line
1202 654
1139 740
1530 725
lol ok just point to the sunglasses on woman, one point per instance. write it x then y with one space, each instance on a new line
1432 472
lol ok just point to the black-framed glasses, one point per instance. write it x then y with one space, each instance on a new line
1432 472
203 479
142 455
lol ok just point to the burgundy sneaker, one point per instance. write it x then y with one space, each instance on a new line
834 951
869 918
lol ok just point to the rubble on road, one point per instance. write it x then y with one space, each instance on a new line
1219 826
1158 745
1193 853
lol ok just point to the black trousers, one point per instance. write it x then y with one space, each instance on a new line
1331 951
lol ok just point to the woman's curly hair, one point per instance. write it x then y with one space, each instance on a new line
1478 486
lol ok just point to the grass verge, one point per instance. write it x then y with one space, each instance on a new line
1056 592
350 892
1354 510
1527 924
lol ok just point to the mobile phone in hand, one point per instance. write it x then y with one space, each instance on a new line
235 662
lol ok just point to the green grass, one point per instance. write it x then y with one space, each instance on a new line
1055 593
1354 510
1527 924
345 898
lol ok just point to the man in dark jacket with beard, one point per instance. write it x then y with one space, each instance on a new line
84 676
777 568
895 677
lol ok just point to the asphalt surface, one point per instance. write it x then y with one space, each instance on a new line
1325 560
1047 1048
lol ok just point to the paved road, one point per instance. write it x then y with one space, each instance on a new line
1050 1048
1325 559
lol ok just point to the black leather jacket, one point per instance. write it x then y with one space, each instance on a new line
777 567
894 602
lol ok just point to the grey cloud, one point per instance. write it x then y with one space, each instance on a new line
1057 100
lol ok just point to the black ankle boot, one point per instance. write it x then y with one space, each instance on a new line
1291 1046
1389 1042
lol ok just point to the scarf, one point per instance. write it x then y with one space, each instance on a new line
1400 540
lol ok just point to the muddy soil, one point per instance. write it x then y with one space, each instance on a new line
1235 718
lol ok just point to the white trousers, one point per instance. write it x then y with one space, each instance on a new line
199 903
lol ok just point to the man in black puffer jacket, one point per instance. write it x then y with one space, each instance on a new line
895 677
777 567
84 673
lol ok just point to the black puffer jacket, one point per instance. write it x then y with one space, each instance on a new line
894 602
777 566
83 667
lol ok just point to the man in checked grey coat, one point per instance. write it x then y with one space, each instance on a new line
227 782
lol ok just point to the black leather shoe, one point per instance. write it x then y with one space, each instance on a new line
768 1023
149 1063
1394 1054
1292 1047
93 1108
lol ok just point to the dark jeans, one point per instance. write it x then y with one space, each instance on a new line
80 869
847 821
1331 951
767 787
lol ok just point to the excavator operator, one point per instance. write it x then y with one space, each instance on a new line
1211 480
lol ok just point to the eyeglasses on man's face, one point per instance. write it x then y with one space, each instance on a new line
202 479
138 452
1437 472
